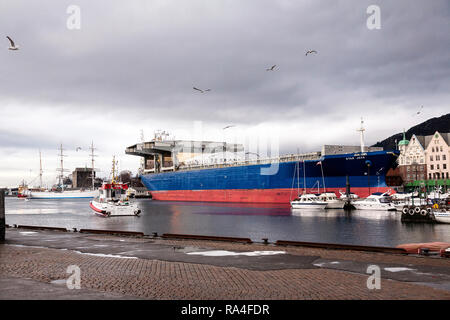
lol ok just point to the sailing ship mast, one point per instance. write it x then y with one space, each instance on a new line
61 169
92 163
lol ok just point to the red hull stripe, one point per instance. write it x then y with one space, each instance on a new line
253 196
96 209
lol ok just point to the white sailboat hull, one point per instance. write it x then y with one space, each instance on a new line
335 205
298 205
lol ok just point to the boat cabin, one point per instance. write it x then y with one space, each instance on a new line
113 192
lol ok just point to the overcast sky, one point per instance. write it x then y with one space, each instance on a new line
133 65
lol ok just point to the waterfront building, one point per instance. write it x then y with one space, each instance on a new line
82 178
438 156
425 160
412 159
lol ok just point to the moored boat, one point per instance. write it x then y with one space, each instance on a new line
442 216
376 201
308 201
332 201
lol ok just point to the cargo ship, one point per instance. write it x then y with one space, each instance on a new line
178 170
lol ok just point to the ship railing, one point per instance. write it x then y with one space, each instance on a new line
286 158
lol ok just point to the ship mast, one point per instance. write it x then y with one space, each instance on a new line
40 170
361 130
61 169
113 180
92 163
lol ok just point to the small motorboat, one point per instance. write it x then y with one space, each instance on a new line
113 201
308 201
352 196
376 201
332 201
442 216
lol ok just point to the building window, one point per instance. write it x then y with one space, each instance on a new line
444 157
429 176
438 158
432 149
431 158
432 167
441 148
447 175
437 166
437 175
444 166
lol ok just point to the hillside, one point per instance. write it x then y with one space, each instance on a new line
441 124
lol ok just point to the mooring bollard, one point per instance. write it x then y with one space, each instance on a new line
2 215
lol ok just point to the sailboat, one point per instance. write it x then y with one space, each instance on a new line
306 201
66 194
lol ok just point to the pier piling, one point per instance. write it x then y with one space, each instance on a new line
2 215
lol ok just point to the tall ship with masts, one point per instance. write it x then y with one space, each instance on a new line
180 170
61 192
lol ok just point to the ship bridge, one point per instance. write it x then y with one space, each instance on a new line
171 155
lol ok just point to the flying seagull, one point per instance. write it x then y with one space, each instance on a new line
418 112
310 51
271 68
229 127
12 46
202 91
78 148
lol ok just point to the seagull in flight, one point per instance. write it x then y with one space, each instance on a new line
230 126
310 51
271 68
78 148
202 91
418 112
12 46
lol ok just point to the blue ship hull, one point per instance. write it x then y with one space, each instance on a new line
258 183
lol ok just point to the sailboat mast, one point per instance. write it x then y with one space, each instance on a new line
40 170
61 177
323 178
92 162
304 176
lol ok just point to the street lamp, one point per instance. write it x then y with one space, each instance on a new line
368 164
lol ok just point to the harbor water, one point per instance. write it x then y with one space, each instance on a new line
255 221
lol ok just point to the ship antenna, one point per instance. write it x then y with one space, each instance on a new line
361 130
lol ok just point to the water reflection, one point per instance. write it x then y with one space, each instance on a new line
256 221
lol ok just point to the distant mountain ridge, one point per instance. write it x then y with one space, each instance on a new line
429 127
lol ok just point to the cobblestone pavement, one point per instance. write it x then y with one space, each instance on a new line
162 279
